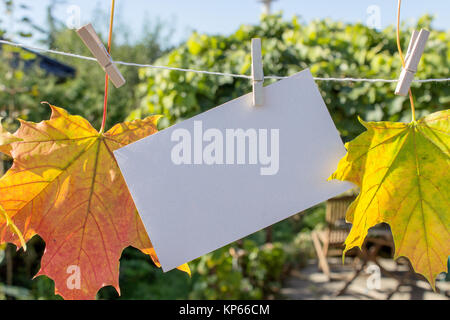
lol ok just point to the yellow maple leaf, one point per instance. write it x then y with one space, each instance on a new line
403 171
6 139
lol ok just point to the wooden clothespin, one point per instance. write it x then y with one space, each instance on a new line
257 73
95 45
412 59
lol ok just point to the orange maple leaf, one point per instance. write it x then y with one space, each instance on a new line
65 185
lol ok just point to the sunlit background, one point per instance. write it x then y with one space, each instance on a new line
224 16
347 38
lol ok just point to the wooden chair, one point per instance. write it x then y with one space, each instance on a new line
330 242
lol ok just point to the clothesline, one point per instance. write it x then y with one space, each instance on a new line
77 56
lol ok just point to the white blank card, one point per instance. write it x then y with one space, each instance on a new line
233 170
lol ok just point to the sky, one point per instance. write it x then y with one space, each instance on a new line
225 16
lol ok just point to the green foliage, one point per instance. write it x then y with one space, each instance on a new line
22 89
246 271
140 280
217 276
19 14
328 48
314 218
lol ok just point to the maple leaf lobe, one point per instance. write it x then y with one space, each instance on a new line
403 172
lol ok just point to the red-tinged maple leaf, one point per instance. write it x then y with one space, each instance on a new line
65 185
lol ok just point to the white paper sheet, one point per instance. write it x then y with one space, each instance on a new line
192 209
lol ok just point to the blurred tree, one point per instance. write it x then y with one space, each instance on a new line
16 19
328 48
21 91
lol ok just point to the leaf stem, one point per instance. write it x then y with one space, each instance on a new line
400 52
105 99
